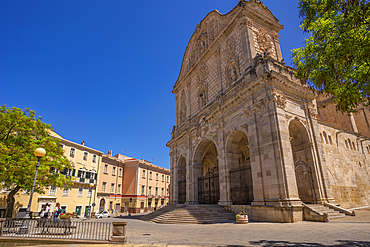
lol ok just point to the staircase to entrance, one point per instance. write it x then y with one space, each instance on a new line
325 210
190 214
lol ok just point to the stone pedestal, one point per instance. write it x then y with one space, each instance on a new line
119 232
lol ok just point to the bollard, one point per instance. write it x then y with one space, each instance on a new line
119 232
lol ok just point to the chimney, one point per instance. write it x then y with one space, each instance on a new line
110 153
83 143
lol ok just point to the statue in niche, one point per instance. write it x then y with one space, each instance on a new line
202 98
232 71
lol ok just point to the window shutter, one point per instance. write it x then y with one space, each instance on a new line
73 173
64 172
96 176
79 173
87 175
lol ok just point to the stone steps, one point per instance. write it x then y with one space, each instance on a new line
190 214
324 209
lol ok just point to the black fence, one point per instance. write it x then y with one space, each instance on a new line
60 229
182 192
241 187
208 189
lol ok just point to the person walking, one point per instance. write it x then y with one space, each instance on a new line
57 211
46 211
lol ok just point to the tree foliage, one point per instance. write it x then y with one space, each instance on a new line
336 56
21 132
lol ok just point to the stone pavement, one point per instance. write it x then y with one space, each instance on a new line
349 231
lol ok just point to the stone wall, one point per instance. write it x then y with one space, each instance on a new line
348 165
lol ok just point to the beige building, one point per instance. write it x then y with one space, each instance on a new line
130 185
250 136
85 163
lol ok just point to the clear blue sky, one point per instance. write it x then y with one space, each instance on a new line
103 71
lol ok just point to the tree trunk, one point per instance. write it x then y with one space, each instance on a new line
10 200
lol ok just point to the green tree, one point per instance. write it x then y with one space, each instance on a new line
21 132
336 56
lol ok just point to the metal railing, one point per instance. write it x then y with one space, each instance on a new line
60 229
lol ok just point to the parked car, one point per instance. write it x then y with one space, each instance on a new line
102 214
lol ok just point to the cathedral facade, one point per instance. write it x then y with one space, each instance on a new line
248 134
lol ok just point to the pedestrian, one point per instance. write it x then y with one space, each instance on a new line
57 211
46 211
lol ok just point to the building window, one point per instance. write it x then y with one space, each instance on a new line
150 190
143 174
52 190
168 179
72 152
105 168
119 189
112 188
167 192
94 158
89 192
65 192
80 192
85 156
162 192
150 175
330 141
325 138
156 191
345 141
114 171
156 176
62 146
162 178
120 172
354 146
104 187
142 189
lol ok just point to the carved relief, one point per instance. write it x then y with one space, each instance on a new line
279 100
182 115
311 111
232 72
202 127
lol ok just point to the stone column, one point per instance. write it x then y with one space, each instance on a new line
174 180
196 172
223 178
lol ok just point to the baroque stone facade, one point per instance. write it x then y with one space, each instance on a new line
247 132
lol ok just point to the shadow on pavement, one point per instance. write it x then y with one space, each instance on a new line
265 243
134 217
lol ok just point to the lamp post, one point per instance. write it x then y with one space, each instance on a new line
91 186
39 153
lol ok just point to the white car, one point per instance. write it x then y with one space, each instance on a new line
102 214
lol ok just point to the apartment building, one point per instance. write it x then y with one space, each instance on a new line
140 187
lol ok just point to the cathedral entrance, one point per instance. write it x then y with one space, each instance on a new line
182 181
303 161
238 160
208 181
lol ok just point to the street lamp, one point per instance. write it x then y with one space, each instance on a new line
39 153
91 186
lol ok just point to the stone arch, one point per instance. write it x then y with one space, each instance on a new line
303 160
181 180
206 175
239 167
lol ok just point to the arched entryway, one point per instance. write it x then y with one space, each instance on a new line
181 178
240 174
303 161
102 205
207 174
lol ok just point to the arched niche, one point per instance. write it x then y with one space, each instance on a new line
303 160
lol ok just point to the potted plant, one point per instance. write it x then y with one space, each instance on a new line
65 215
241 218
